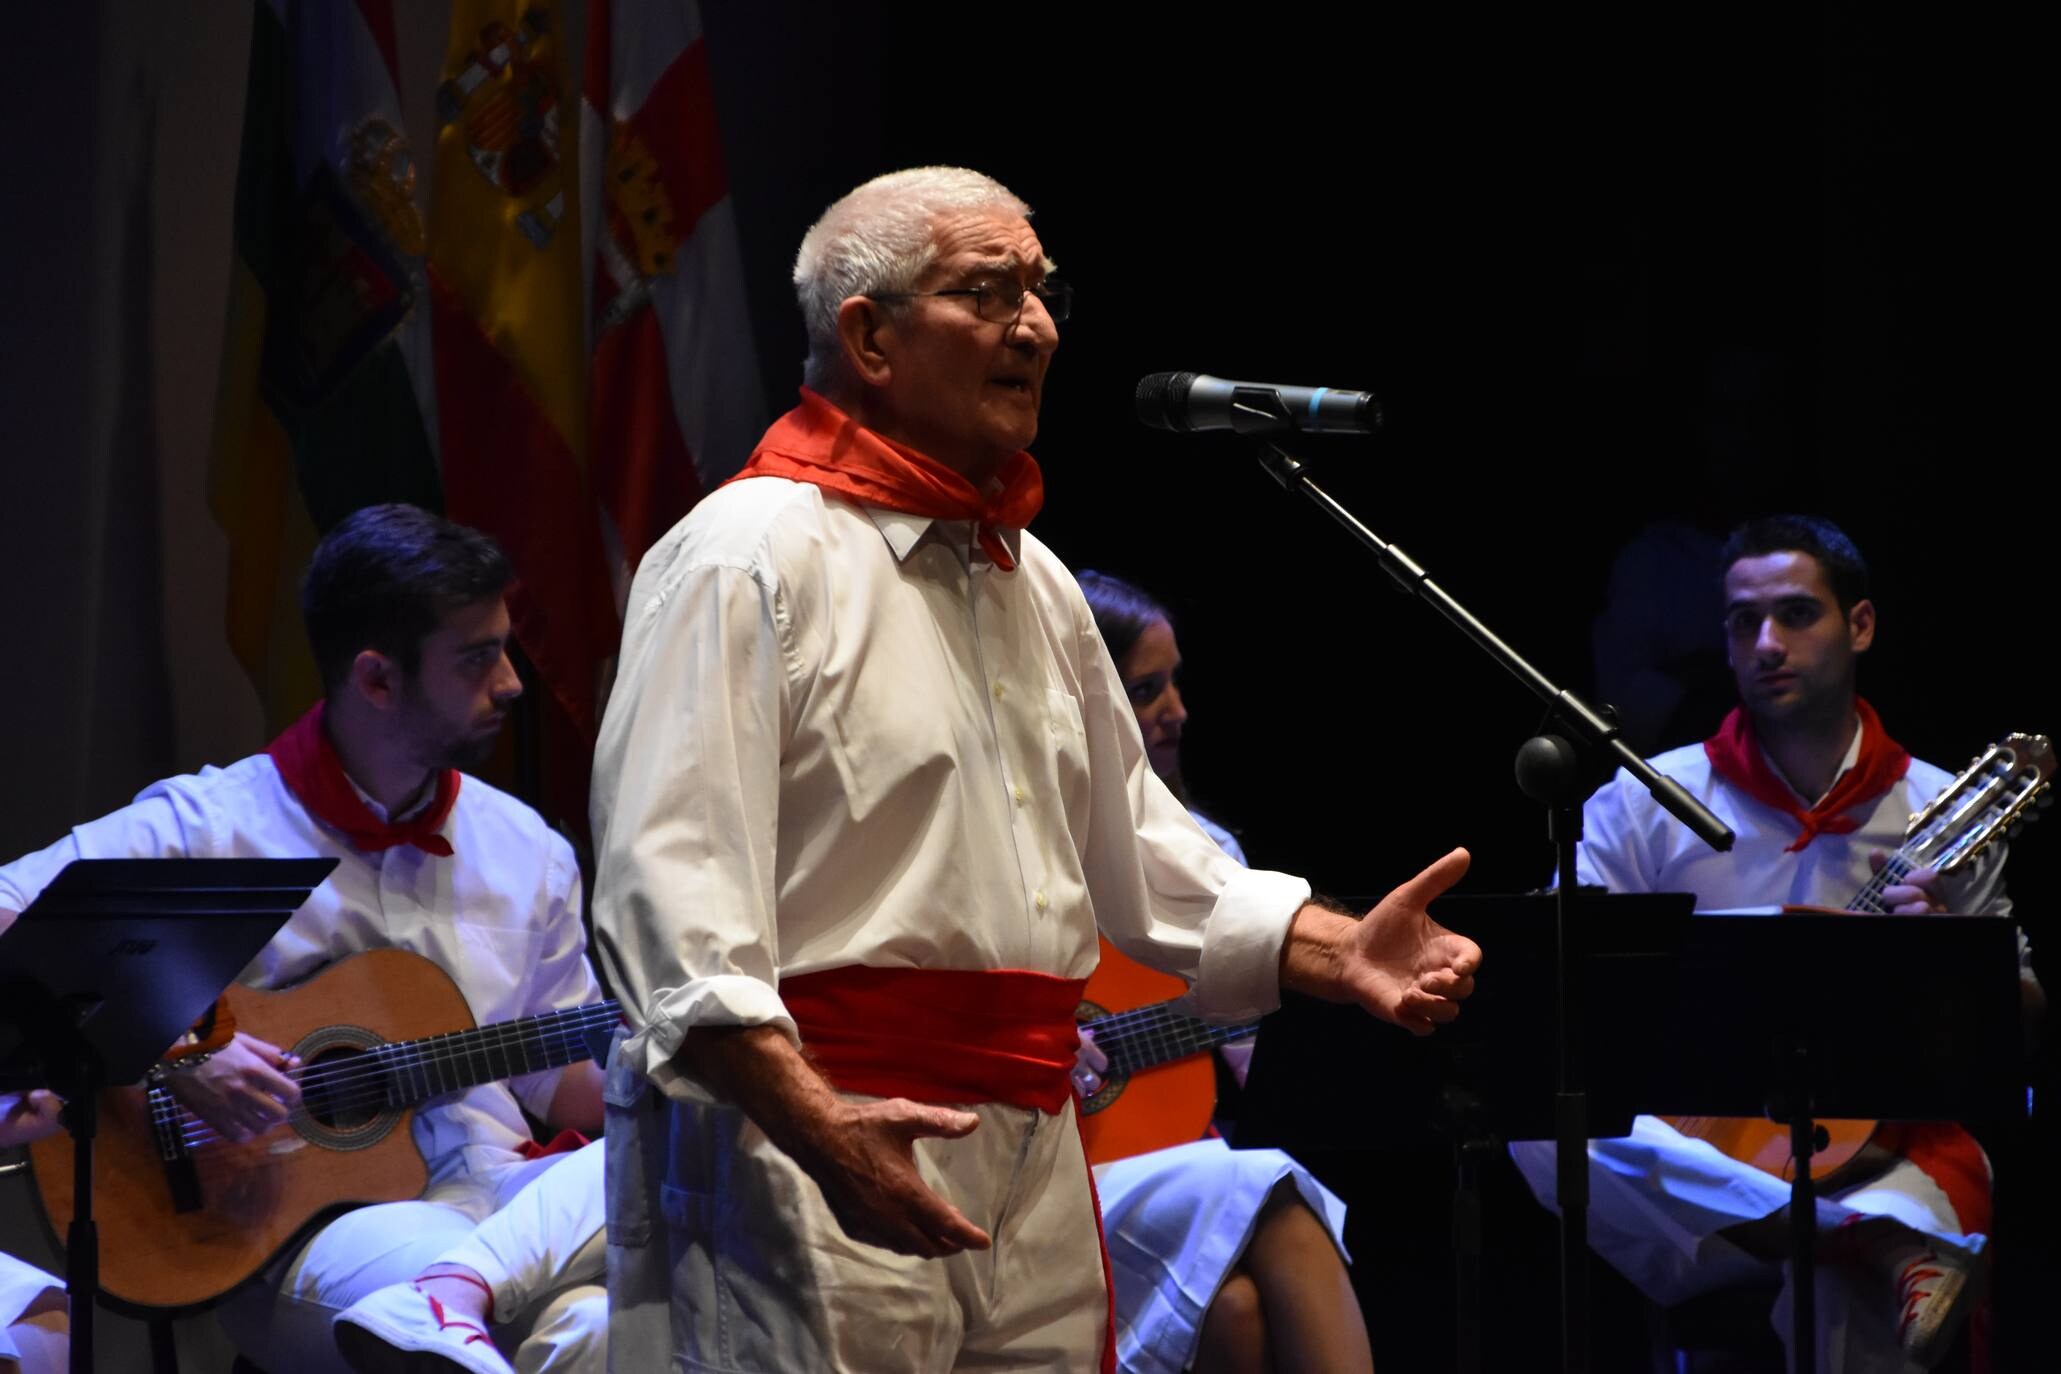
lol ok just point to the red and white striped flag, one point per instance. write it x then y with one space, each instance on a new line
674 403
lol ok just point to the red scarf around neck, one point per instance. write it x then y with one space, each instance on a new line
1735 753
309 765
816 442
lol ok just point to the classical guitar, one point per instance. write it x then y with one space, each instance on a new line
1158 1091
1996 793
185 1215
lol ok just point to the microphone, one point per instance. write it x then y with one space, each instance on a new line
1192 401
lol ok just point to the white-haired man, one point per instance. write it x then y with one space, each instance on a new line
866 786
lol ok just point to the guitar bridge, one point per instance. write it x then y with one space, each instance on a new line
168 1124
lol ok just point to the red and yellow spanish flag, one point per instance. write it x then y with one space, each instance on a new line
562 361
506 293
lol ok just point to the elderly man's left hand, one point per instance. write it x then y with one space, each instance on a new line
1395 961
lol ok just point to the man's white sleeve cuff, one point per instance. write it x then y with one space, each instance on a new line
726 1000
1239 977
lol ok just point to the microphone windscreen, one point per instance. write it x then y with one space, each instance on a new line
1163 399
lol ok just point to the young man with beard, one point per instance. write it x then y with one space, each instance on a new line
1818 794
404 612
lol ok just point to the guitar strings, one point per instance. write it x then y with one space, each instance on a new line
421 1065
1158 1034
365 1087
362 1079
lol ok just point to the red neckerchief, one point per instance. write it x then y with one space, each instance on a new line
1736 755
816 442
309 766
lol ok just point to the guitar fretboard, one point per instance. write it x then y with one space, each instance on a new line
401 1073
438 1064
1869 899
1146 1037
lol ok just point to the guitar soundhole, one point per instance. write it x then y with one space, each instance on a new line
343 1090
339 1095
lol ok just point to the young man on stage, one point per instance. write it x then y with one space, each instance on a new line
404 612
1818 794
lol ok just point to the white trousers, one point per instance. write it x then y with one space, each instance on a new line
26 1291
1176 1221
532 1228
722 1255
1658 1201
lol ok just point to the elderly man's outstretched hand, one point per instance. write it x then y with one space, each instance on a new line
1395 961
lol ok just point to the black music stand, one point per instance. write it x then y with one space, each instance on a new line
1798 1016
106 969
1904 1018
1491 1076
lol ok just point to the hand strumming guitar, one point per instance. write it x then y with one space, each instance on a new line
1089 1064
28 1117
242 1090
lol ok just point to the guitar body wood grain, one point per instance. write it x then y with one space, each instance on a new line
1166 1105
259 1197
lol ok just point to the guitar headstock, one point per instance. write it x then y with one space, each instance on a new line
1997 793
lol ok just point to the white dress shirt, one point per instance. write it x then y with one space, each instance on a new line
839 736
501 915
1630 845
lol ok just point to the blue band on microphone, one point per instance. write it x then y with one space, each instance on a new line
1316 396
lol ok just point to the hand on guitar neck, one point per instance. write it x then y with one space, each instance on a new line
242 1090
1917 893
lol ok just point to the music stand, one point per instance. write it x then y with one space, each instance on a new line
1798 1016
110 965
1488 1077
1802 1016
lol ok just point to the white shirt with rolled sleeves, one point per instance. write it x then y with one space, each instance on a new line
1630 845
502 916
839 736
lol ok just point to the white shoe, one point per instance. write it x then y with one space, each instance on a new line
402 1330
1934 1292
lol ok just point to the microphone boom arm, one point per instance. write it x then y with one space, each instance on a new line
1567 707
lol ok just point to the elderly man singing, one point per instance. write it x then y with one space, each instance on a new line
867 786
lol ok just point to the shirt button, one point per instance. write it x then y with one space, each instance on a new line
1040 900
1021 796
998 691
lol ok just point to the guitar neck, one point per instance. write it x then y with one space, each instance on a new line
437 1064
1146 1037
1869 899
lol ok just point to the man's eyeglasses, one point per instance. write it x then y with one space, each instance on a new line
999 300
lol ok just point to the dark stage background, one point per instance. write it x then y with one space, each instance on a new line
1621 277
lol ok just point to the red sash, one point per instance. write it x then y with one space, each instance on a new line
941 1036
816 442
1735 754
946 1037
308 764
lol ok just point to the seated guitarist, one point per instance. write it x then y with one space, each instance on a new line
1675 1215
404 612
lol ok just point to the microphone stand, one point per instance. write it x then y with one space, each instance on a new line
1551 769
